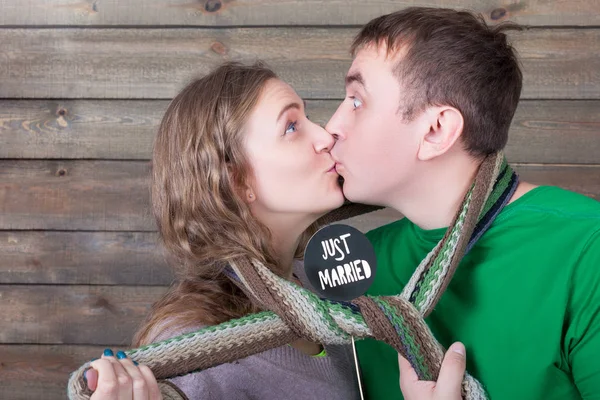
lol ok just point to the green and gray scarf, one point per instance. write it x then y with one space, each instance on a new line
295 312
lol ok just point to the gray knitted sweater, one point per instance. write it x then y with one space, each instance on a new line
277 374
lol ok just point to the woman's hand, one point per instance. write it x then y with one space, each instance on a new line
119 378
448 385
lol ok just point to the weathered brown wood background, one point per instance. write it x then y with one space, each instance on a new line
83 85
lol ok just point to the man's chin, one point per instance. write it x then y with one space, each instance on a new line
356 197
353 197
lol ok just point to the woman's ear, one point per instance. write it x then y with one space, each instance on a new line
245 191
250 196
445 128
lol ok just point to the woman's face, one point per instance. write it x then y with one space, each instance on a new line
293 172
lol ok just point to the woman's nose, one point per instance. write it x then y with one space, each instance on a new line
324 140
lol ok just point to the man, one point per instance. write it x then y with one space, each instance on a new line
430 93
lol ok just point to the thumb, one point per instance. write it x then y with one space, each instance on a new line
407 373
409 380
452 372
91 377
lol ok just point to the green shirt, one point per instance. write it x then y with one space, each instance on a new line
525 300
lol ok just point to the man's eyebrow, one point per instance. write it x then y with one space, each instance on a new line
287 107
355 77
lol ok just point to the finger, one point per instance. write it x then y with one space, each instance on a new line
124 381
107 384
452 372
408 375
153 390
138 380
91 377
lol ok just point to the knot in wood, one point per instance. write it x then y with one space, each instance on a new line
212 6
218 48
498 13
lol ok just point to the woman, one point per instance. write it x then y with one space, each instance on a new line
238 170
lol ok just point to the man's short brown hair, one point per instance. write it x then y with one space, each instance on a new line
452 58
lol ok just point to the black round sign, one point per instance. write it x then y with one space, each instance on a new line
340 262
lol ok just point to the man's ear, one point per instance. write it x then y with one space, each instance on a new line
445 128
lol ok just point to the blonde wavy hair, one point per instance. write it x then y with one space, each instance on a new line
199 172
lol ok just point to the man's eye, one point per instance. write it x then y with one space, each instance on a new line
356 102
291 127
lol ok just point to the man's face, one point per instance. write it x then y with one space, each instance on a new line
376 149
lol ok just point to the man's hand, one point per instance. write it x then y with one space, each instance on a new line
449 383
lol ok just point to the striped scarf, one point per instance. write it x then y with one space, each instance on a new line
298 313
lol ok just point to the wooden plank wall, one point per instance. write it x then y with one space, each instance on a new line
83 84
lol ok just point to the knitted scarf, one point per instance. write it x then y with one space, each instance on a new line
298 313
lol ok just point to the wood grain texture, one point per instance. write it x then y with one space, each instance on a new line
75 195
555 132
104 258
276 12
91 129
88 258
113 195
83 85
543 131
65 314
583 179
101 63
32 372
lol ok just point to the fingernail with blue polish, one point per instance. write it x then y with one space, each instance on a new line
121 355
136 363
84 376
108 353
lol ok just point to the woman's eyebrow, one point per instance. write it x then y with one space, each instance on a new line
287 107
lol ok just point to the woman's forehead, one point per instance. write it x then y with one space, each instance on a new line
277 91
275 99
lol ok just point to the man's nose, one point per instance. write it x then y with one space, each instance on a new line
335 126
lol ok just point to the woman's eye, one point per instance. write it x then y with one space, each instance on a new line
356 102
291 127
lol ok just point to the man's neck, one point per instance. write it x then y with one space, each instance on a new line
432 200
